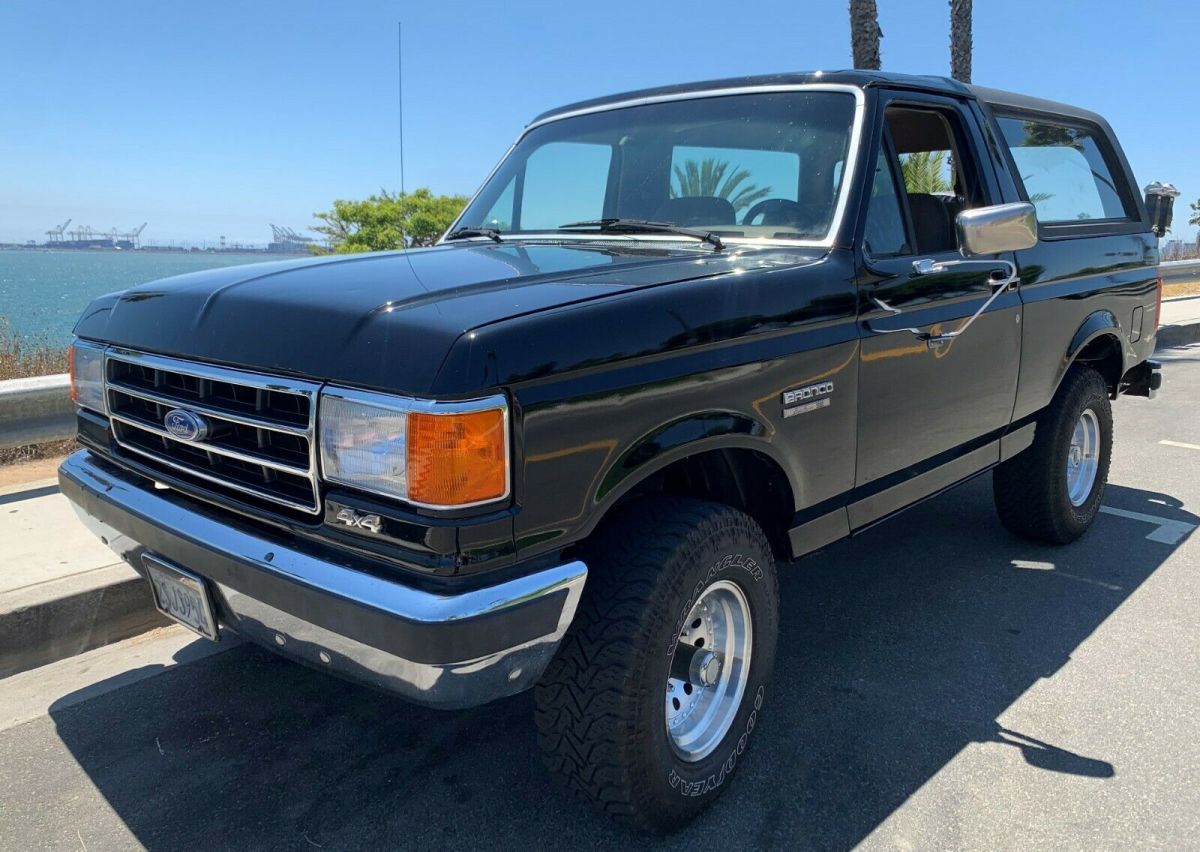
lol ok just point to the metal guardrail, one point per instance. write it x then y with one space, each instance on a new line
36 411
1180 271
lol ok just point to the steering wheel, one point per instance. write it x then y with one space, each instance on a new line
777 211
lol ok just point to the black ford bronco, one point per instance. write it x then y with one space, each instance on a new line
679 336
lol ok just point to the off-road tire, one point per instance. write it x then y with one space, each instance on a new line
601 703
1030 489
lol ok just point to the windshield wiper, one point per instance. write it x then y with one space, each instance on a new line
463 233
643 226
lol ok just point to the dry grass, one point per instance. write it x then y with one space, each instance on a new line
21 456
1185 288
20 358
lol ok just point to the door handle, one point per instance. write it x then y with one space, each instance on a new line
999 279
931 267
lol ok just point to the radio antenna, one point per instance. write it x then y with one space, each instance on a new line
400 97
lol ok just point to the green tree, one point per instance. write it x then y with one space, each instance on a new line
925 171
707 178
387 221
1039 134
1194 219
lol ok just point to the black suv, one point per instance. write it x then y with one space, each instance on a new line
678 336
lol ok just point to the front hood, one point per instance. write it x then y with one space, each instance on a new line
383 320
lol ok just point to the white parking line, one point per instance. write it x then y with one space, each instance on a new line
1180 444
1166 531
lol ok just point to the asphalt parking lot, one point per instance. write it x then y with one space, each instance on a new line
940 684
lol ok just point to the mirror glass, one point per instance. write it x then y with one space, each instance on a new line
998 228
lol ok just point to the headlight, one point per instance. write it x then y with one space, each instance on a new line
436 455
85 363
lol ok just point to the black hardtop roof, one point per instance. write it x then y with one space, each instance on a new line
863 79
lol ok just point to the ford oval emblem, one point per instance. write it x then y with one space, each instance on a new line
185 425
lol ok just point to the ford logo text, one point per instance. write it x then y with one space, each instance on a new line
185 425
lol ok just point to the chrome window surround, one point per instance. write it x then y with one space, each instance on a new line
853 154
407 405
308 390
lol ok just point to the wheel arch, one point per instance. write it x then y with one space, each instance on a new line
1097 342
725 457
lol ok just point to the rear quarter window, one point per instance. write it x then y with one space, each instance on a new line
1066 170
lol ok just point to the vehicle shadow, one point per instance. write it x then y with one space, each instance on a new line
897 649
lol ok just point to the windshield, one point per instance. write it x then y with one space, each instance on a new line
753 166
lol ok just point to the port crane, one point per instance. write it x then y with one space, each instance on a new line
286 239
134 236
54 235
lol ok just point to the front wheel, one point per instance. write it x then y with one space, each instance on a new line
650 703
1051 492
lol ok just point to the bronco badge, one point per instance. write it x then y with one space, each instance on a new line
805 399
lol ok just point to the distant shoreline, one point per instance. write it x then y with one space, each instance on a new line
153 250
44 291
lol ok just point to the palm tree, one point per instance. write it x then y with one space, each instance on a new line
960 40
707 178
925 172
865 34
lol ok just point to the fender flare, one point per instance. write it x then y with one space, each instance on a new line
678 439
1101 323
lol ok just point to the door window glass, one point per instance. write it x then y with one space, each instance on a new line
885 234
939 181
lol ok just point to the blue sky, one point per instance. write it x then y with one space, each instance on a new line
217 118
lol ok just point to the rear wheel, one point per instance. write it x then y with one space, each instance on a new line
650 703
1051 492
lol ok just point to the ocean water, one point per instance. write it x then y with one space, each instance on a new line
42 293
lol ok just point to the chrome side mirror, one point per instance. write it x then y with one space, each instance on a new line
999 228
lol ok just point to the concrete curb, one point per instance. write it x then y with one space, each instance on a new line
61 618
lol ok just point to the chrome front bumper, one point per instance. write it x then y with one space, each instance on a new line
315 606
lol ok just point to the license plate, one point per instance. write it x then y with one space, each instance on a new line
181 595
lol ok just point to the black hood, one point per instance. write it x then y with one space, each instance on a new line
383 320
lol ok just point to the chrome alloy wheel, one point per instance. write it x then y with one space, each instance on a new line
709 671
1083 457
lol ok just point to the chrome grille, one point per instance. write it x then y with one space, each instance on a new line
261 440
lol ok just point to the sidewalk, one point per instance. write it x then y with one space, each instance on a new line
62 591
1179 321
1181 310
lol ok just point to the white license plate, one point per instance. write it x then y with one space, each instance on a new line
181 595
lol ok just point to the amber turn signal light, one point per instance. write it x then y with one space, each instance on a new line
457 459
71 373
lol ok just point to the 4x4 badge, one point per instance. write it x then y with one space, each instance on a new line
351 518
